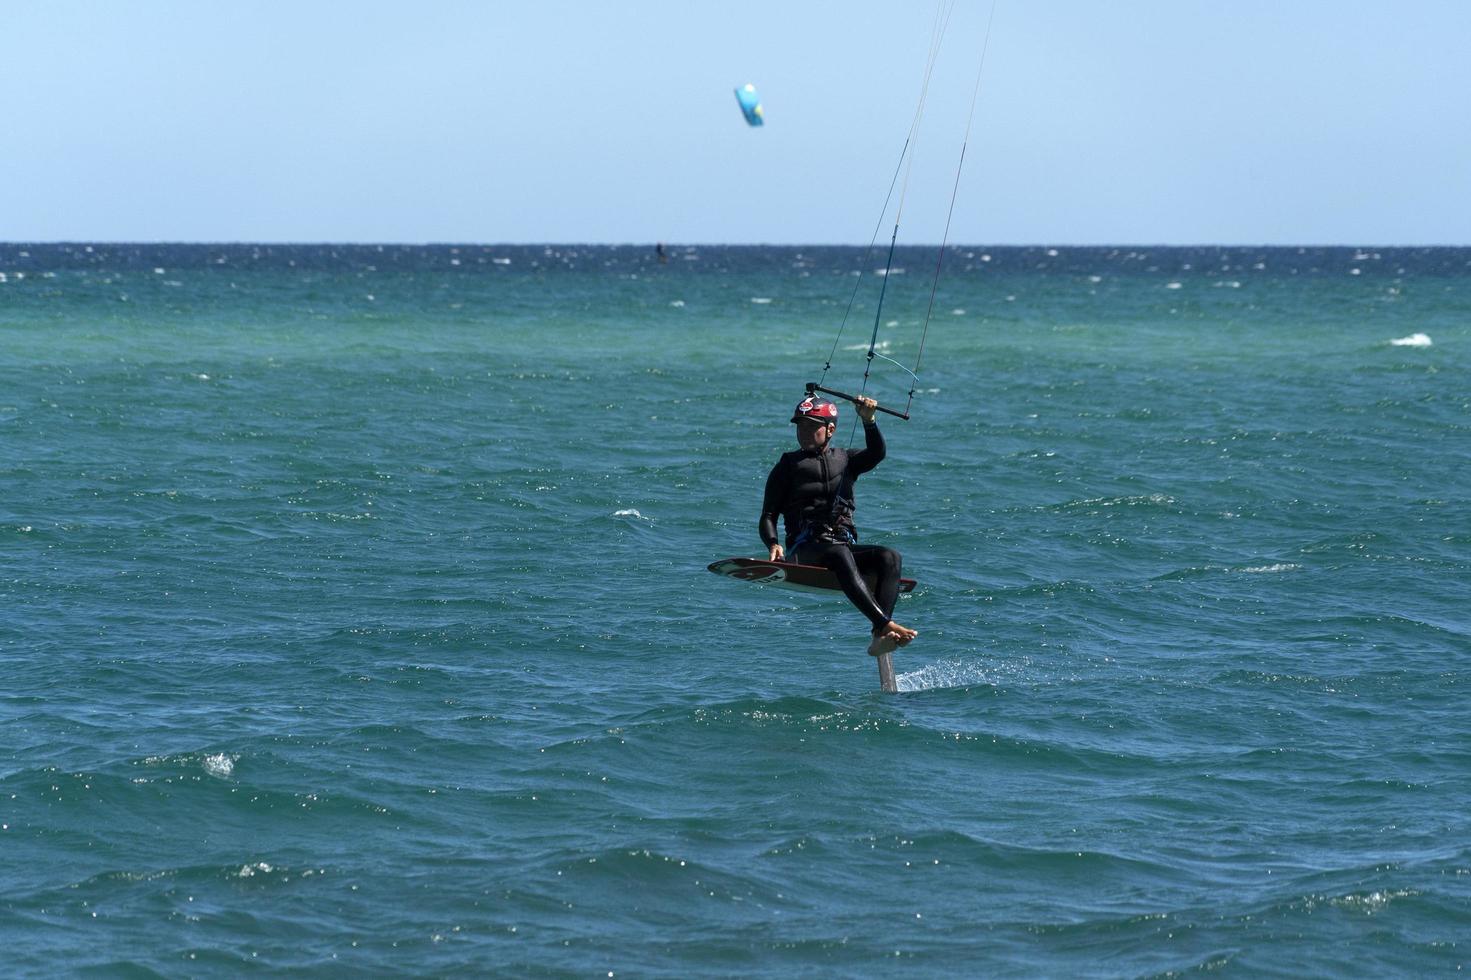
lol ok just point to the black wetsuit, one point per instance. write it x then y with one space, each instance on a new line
812 492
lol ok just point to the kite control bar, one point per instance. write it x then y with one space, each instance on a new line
814 386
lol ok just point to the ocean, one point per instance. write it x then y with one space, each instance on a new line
356 617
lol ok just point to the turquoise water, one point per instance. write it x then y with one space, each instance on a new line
356 616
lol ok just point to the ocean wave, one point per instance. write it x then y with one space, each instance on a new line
1135 500
803 714
1275 568
1197 571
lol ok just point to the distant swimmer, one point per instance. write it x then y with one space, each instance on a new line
811 489
659 251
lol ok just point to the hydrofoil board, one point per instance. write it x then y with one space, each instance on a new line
807 578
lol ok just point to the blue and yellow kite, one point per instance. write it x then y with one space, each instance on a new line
750 104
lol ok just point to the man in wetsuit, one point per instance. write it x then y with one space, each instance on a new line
812 491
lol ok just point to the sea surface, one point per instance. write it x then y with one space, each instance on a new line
356 620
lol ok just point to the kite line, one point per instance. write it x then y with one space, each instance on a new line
943 12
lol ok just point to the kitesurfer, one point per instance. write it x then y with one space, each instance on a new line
811 489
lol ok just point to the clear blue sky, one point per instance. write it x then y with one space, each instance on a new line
1156 121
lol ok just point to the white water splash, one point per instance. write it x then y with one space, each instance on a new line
942 674
1413 340
631 512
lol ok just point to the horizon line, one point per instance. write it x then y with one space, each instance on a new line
712 244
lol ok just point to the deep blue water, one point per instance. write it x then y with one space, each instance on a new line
355 614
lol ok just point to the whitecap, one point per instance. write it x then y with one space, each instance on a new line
1158 499
250 870
630 512
1372 902
761 300
957 312
1413 340
1173 285
1271 569
219 764
676 302
501 261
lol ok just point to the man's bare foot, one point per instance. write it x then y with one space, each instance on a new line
882 643
889 637
901 634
